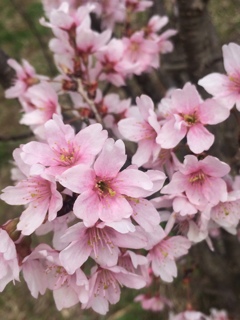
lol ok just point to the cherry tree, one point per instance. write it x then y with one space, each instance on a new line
125 185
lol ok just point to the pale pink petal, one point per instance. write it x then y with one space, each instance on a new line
65 297
35 276
177 184
37 152
211 112
144 152
213 167
132 129
78 178
214 190
145 214
91 139
32 217
114 208
133 183
75 255
16 195
144 104
133 240
186 100
87 207
231 53
183 206
169 135
199 138
105 257
216 84
111 159
130 280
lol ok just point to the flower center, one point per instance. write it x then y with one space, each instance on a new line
104 188
198 177
99 238
190 119
235 83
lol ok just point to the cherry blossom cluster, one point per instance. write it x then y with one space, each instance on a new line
119 215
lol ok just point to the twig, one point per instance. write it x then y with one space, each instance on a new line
16 138
89 101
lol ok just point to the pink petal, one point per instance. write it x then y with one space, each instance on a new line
111 159
144 104
169 135
145 214
211 112
214 190
91 139
32 217
144 152
213 167
78 178
87 207
38 152
199 138
75 254
65 297
231 55
216 84
133 183
186 100
114 208
177 184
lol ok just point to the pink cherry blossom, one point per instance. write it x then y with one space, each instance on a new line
63 149
226 214
141 51
8 260
25 77
189 315
142 127
219 315
138 6
154 303
42 269
186 115
113 66
105 287
226 88
200 180
89 41
101 242
39 103
163 255
103 189
43 200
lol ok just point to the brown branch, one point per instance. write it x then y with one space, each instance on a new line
199 39
6 72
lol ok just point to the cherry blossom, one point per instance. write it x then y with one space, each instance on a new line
142 126
200 180
25 77
226 88
101 242
8 260
103 189
163 255
105 287
186 114
63 149
154 303
43 200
